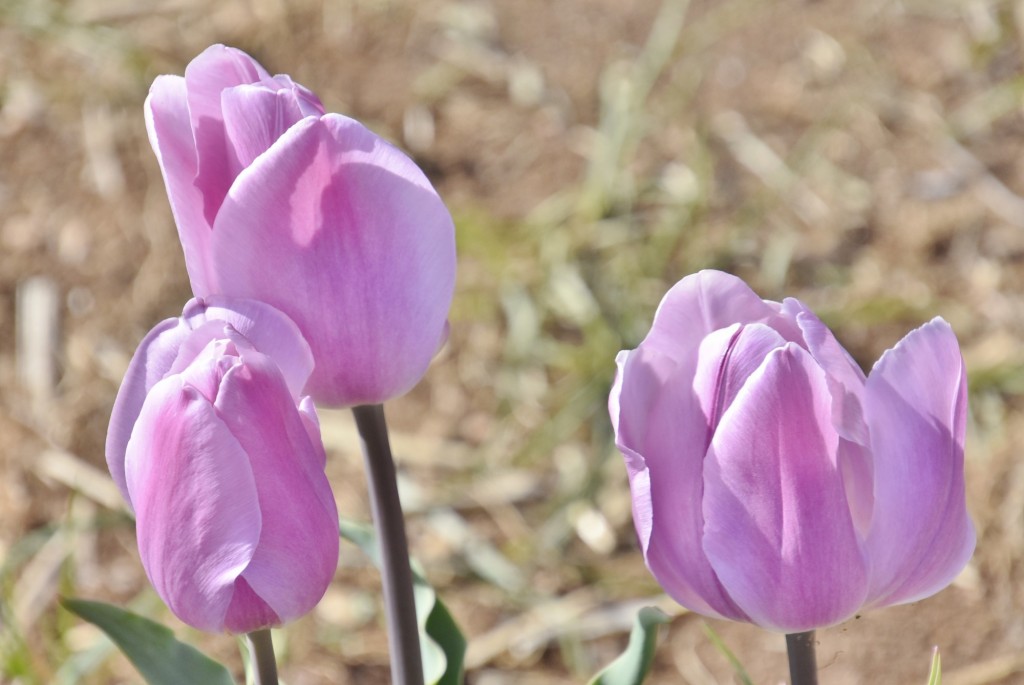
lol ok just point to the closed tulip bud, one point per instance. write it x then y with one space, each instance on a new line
222 463
772 481
278 201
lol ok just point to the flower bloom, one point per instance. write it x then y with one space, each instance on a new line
223 465
277 201
774 483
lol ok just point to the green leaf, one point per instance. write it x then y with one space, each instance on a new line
723 649
151 647
632 666
442 644
935 677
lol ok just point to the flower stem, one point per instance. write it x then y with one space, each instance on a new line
803 665
261 652
399 602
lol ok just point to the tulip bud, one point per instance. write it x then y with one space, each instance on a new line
310 212
774 483
222 463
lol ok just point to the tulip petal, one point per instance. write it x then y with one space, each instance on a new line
196 507
170 134
777 527
254 118
726 359
307 412
707 301
308 101
215 69
661 431
845 378
342 232
269 330
916 404
846 384
641 374
152 360
298 546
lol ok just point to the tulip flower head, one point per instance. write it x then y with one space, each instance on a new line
278 201
772 481
222 463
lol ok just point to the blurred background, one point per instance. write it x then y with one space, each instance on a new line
862 156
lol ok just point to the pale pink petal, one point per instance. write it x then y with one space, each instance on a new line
845 378
707 301
206 369
858 479
196 508
170 134
343 233
152 360
777 528
307 411
846 384
725 360
254 118
269 330
248 611
916 405
298 547
215 69
638 382
661 432
308 101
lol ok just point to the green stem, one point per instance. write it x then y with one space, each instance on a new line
803 665
396 574
261 652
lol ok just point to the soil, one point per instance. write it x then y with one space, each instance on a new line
865 157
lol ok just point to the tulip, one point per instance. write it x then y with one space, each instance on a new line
310 212
174 343
772 482
223 465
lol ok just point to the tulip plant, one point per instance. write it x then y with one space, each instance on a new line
772 481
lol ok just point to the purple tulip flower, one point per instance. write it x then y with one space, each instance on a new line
773 482
223 465
310 212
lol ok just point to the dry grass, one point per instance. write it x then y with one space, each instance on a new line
865 157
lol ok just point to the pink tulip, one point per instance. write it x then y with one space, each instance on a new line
174 343
310 212
222 463
773 482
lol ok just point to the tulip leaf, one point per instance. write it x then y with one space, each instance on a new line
442 644
151 647
632 666
935 676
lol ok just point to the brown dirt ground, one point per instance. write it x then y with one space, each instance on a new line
865 157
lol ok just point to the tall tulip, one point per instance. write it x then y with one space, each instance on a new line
277 201
774 483
222 463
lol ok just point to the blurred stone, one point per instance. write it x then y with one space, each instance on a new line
592 528
22 103
823 58
103 166
418 128
38 312
344 608
74 242
525 83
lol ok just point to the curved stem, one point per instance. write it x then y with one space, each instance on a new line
803 664
396 575
261 652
